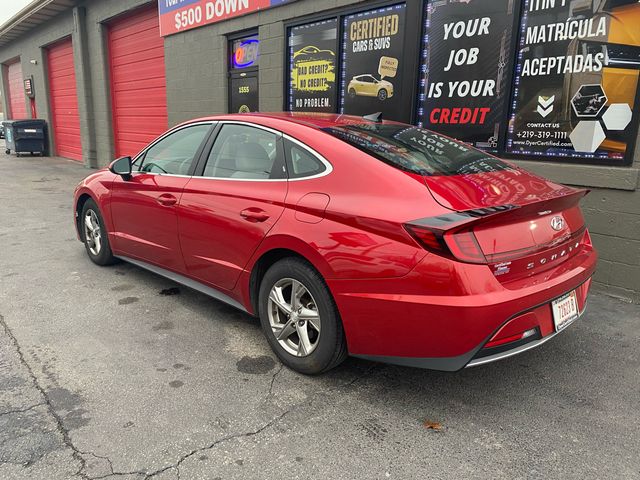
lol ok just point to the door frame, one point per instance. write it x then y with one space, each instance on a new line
235 73
242 75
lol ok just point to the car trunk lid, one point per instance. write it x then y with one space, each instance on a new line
538 223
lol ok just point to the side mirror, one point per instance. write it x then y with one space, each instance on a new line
121 166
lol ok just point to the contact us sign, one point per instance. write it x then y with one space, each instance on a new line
180 15
576 85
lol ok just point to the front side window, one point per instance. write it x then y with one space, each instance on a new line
175 152
417 150
243 152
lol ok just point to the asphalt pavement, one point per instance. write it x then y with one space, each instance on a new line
117 373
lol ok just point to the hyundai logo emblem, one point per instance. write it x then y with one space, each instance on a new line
557 223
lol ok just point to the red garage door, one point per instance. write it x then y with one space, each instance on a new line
64 101
17 99
138 84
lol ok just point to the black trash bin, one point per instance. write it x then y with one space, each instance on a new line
23 136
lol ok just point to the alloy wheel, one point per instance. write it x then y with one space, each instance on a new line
92 233
294 317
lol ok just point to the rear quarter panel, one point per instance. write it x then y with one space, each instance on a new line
361 233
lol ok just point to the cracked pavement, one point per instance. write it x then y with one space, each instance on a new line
113 373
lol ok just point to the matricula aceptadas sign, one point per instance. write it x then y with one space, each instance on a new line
576 80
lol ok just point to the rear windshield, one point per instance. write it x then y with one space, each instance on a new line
416 150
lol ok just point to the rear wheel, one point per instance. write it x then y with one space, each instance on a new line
352 92
300 318
94 234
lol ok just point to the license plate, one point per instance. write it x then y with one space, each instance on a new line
565 310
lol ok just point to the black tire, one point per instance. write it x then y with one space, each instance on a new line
104 255
7 151
331 349
352 92
383 94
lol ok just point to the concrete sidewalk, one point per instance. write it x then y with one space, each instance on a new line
109 372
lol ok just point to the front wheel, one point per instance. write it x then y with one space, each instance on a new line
300 318
382 94
94 235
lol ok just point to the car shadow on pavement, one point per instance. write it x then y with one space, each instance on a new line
561 368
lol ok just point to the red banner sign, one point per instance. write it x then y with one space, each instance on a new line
180 15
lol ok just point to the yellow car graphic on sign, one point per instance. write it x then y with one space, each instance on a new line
311 50
369 86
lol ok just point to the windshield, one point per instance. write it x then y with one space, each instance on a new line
416 150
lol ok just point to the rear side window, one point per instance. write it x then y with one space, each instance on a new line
244 152
417 150
301 162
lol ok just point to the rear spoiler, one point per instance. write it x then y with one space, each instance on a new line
455 220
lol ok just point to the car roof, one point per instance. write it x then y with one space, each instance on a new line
314 120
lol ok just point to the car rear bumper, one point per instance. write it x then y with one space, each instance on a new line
390 321
482 360
539 321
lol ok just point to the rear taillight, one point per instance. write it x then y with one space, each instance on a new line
465 247
429 239
459 244
450 234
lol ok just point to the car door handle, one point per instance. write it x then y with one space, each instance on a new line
254 215
167 200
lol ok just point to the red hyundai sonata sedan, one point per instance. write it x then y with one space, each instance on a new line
349 236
